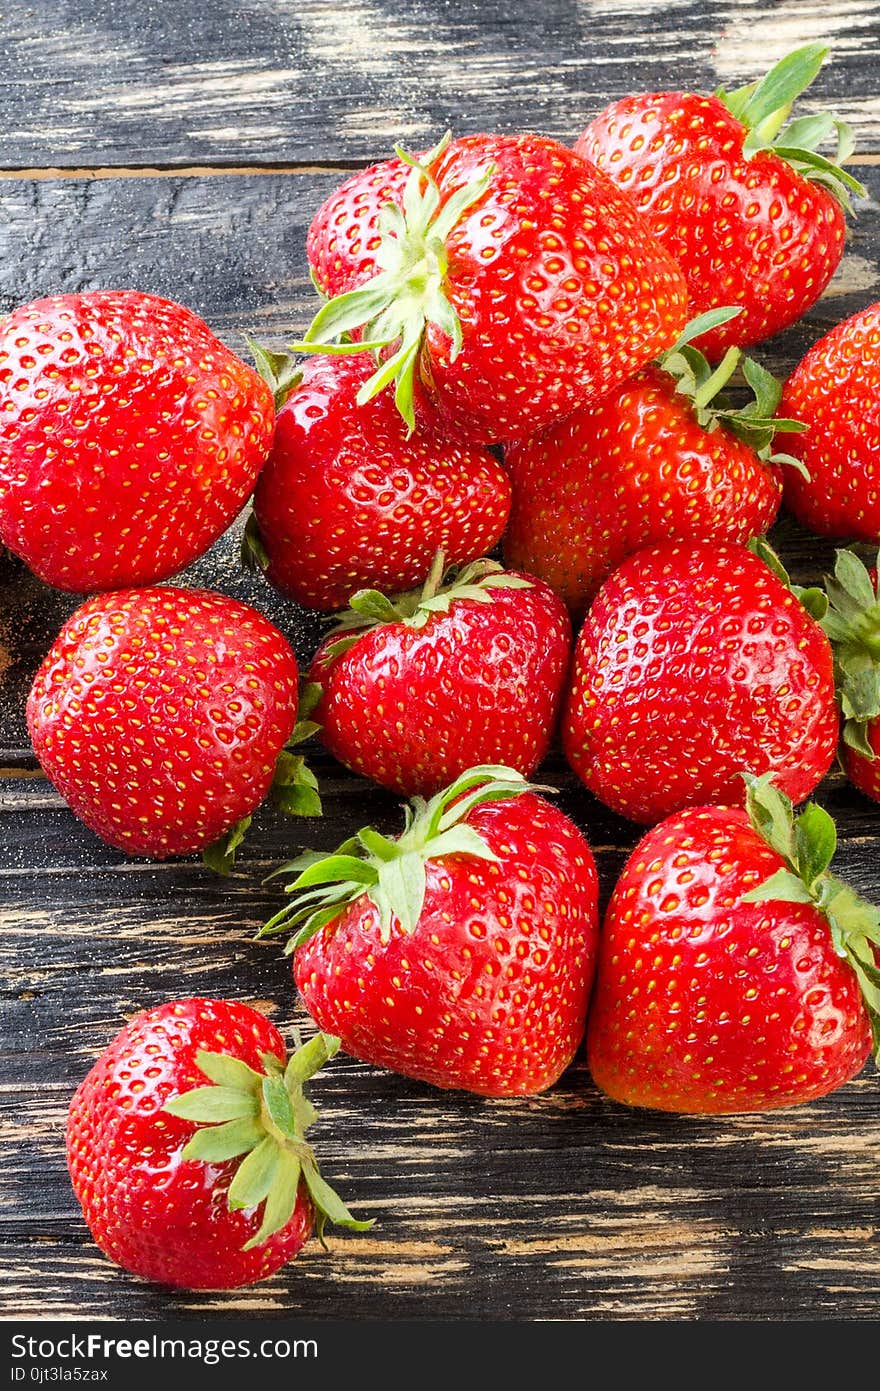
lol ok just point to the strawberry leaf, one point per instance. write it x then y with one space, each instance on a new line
218 1142
221 855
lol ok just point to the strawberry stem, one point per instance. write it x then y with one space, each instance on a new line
409 290
807 844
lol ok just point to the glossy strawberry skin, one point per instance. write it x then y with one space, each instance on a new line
348 502
343 238
560 290
158 715
632 471
130 437
411 708
158 1215
749 232
708 1005
836 391
490 992
864 773
695 664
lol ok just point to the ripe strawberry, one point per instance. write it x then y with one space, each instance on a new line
344 238
461 953
417 689
749 210
512 280
696 661
853 625
349 500
660 458
211 1207
835 391
129 437
735 972
159 715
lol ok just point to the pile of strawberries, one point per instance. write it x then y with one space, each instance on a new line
518 344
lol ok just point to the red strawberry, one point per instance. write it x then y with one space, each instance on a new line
853 625
660 458
512 279
129 437
417 689
344 237
159 715
696 661
349 500
209 1208
735 972
835 391
461 953
749 210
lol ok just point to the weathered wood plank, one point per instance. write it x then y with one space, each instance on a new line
339 80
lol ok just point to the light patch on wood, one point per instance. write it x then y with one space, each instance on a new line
754 37
854 275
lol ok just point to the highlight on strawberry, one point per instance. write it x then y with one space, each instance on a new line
737 193
131 437
165 716
696 661
187 1148
461 952
469 669
502 274
853 625
350 499
665 456
736 972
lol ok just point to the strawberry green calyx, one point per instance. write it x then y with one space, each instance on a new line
409 292
294 786
280 371
807 844
442 588
852 625
391 873
764 108
813 599
262 1118
755 423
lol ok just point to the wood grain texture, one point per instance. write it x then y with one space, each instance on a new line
562 1206
330 81
565 1206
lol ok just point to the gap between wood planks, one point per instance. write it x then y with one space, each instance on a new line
201 171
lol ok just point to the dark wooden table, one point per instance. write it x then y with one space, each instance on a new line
184 153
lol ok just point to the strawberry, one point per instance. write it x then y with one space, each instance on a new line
345 236
161 716
835 391
853 625
186 1147
748 209
660 458
349 500
129 437
512 280
735 972
460 953
417 689
696 661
